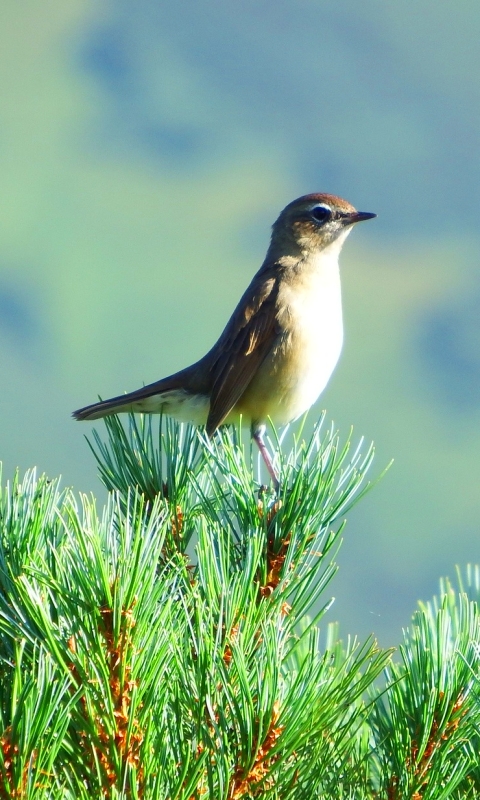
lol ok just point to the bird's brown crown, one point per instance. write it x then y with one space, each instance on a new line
337 203
310 223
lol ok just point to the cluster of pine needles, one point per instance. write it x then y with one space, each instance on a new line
171 646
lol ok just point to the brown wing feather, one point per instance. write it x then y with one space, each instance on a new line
247 339
225 372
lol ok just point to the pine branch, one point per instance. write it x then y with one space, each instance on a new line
167 646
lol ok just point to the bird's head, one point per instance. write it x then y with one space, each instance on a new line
314 222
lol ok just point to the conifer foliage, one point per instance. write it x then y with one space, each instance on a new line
171 644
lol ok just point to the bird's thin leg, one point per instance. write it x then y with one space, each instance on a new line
257 434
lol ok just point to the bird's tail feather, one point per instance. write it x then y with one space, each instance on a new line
148 399
115 405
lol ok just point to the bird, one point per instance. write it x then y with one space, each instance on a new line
280 346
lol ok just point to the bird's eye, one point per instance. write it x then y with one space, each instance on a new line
321 213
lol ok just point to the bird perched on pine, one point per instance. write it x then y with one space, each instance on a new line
282 342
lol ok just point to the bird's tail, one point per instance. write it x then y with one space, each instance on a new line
115 405
147 400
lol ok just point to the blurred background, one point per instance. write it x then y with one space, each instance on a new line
145 149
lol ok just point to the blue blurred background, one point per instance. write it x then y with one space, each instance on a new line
145 149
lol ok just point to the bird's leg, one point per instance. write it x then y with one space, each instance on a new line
257 434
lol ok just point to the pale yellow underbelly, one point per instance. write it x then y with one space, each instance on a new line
291 379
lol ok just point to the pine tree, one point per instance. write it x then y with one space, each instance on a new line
172 644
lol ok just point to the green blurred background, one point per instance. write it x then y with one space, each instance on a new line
145 149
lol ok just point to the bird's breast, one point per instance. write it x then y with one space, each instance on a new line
307 348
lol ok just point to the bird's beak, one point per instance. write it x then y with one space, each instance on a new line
357 216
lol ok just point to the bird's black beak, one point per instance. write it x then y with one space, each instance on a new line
357 216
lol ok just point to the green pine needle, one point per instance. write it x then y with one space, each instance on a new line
168 645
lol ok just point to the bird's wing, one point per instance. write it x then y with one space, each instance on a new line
225 372
247 339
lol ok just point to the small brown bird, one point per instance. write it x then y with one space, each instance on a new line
282 342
